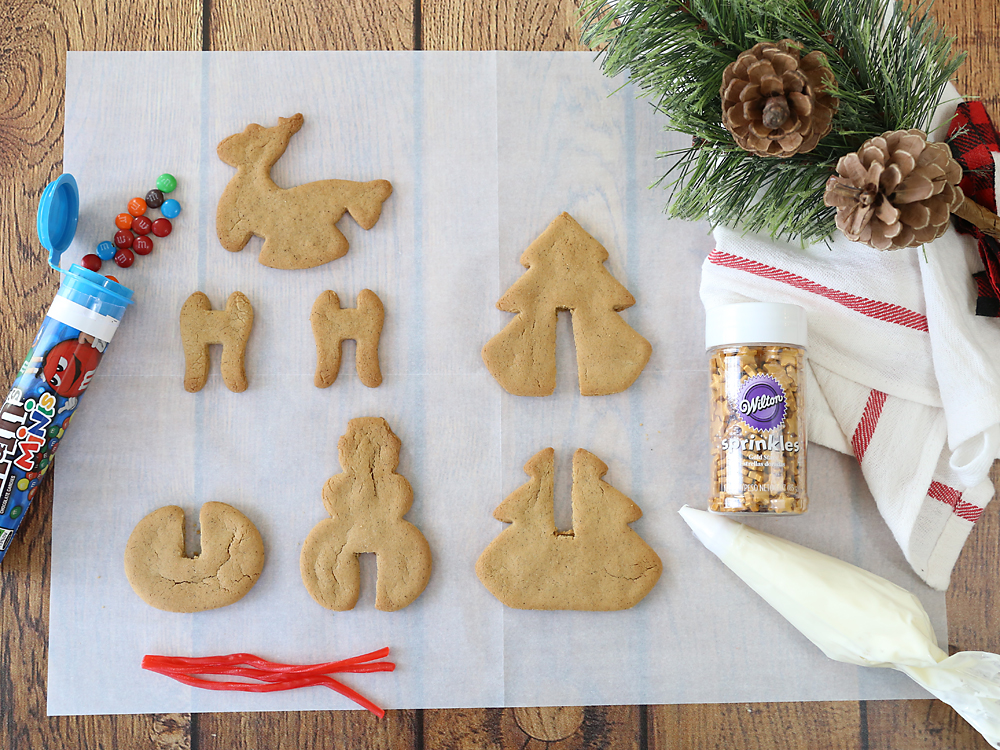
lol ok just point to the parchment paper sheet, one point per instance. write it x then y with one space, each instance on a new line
483 150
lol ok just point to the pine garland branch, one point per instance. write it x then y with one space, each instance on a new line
891 62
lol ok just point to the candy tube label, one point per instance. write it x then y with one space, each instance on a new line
37 411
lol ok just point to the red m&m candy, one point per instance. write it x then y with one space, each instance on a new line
143 245
124 257
123 221
162 227
137 206
91 262
142 225
124 239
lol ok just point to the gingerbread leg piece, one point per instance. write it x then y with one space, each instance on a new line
332 325
202 326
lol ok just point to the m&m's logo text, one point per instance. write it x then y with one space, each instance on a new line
12 418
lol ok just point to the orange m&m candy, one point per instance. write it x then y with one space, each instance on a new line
123 221
137 206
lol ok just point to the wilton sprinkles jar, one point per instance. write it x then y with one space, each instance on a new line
757 415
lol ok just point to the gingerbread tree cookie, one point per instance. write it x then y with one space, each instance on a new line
601 564
298 224
366 503
566 272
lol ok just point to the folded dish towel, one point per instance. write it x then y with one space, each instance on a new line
901 372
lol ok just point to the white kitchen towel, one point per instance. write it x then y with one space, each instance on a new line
901 372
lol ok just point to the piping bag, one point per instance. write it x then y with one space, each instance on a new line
63 357
855 616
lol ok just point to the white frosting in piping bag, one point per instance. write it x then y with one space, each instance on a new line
855 616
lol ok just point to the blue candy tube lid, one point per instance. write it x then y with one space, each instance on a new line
58 215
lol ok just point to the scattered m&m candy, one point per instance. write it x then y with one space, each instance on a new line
142 225
154 198
124 257
124 239
165 183
143 245
91 262
137 206
170 208
134 226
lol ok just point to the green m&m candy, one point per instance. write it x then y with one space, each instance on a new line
165 183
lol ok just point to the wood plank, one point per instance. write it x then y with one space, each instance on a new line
310 25
973 598
308 730
756 726
603 728
919 725
34 39
536 25
976 27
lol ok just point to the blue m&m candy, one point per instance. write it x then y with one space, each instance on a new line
170 208
106 250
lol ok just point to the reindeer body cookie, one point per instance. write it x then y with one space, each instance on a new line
566 272
600 565
366 504
298 224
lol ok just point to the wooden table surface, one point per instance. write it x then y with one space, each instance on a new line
34 38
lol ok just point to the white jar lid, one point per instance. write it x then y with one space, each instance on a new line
755 323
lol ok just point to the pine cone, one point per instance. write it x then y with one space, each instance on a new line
897 191
774 102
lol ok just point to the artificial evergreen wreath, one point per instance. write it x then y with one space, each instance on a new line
870 67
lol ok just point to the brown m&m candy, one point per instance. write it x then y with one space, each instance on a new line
154 198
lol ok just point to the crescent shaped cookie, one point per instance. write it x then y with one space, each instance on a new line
231 559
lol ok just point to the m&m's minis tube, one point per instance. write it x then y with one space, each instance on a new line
60 365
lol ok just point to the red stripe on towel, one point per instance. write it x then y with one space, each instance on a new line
869 307
951 496
866 427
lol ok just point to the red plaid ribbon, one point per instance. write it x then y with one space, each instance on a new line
973 139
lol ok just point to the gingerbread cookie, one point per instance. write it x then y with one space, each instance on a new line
298 224
566 272
601 564
332 325
202 326
366 504
231 559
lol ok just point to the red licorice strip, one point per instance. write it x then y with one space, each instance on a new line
273 676
186 662
259 673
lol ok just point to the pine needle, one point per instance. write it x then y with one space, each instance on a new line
890 59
